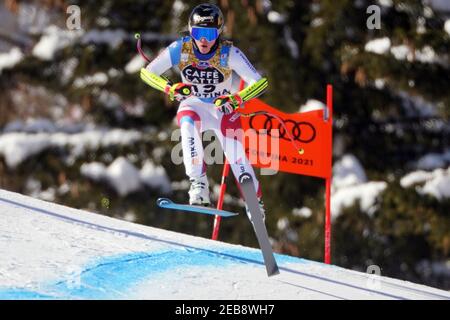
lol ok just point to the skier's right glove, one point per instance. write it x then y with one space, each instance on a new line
178 91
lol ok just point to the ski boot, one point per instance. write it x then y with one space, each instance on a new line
199 191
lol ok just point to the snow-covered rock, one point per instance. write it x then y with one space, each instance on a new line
123 176
401 52
276 17
155 177
425 54
415 177
348 171
68 69
437 268
113 38
36 125
135 64
380 83
385 3
438 186
110 100
98 78
316 22
432 161
14 126
282 223
439 5
379 46
54 39
447 26
350 184
302 212
94 170
311 105
16 147
40 125
417 105
10 59
284 226
435 183
365 193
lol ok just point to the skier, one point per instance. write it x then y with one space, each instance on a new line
206 62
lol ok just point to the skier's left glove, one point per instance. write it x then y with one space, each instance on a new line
228 103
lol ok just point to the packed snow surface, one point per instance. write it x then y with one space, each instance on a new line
54 252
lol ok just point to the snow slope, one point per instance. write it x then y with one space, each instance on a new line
54 252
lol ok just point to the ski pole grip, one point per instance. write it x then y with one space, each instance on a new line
218 102
186 91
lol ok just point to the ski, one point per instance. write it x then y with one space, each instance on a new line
169 204
246 182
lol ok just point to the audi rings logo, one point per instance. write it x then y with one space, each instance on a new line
301 131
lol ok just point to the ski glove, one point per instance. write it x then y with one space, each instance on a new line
178 91
228 103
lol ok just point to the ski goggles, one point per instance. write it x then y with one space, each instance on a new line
209 34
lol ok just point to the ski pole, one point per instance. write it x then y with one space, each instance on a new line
137 36
223 187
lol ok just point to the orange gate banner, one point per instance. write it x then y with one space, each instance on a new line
268 145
